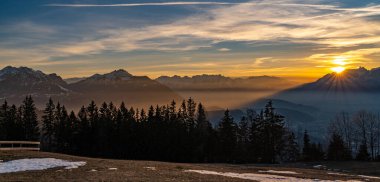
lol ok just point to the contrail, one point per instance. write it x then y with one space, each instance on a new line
373 9
144 4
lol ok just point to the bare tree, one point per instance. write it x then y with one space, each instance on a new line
372 129
367 129
362 129
343 126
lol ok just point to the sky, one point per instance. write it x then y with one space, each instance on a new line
289 38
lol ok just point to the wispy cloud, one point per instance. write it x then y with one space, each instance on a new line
327 25
224 49
336 29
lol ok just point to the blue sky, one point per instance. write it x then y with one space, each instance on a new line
236 38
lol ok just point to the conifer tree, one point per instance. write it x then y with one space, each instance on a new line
4 128
191 106
203 135
20 124
337 150
227 137
62 127
290 151
363 154
12 125
101 131
48 126
306 151
273 133
84 131
29 120
243 139
73 133
93 118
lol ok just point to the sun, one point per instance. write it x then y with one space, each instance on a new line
338 69
340 63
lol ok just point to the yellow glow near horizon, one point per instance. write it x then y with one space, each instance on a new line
340 60
338 69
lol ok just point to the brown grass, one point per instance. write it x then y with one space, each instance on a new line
128 170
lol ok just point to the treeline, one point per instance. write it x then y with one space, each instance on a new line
19 123
184 134
167 133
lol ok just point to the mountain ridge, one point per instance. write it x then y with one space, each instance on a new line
116 86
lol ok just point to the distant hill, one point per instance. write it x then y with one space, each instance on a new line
295 113
312 106
117 86
352 90
222 83
120 85
218 91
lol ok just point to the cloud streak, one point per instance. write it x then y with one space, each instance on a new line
332 30
314 24
183 3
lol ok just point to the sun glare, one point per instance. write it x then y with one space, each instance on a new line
340 60
338 69
340 63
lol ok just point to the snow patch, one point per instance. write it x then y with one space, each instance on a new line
63 88
339 174
279 172
369 177
93 170
112 168
259 177
37 164
319 167
151 168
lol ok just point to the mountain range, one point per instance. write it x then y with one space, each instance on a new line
219 82
218 92
309 106
313 105
117 86
350 90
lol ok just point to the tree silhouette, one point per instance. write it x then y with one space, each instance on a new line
227 137
165 132
29 120
337 150
48 126
363 154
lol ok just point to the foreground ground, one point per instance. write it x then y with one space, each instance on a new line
127 170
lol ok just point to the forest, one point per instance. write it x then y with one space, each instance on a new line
183 133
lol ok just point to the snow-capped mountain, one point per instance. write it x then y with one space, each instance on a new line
113 80
113 76
116 86
74 79
120 85
25 81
